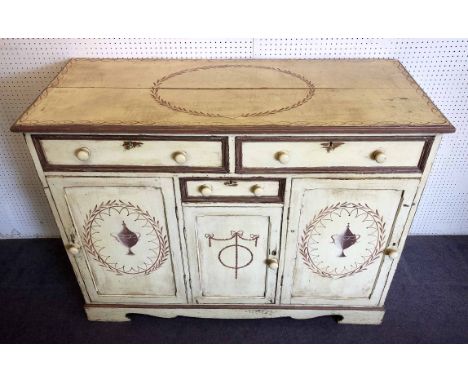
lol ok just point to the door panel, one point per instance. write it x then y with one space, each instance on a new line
337 238
127 231
228 250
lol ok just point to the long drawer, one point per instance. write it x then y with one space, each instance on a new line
344 154
132 153
253 190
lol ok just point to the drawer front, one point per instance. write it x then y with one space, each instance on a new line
233 190
319 155
132 153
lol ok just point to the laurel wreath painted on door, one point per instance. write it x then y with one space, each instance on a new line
376 227
154 234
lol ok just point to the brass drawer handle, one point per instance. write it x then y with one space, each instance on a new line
330 146
231 183
128 145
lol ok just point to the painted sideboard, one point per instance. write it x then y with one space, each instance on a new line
234 189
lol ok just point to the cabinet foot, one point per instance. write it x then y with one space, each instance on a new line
108 315
118 313
362 317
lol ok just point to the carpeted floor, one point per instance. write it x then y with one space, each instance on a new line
41 303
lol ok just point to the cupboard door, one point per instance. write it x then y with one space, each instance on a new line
337 236
127 234
233 253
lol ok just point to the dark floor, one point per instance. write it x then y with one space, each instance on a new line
41 303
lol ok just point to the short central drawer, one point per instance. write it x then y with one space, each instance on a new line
132 153
253 190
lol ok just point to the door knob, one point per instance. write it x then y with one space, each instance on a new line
379 156
206 190
83 154
282 157
257 190
180 157
392 253
73 249
272 263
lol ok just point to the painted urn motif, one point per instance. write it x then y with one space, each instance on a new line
345 240
127 238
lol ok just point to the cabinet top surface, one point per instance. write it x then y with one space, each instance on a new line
233 96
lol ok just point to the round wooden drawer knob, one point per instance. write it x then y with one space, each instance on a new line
282 157
272 263
180 157
257 190
206 190
391 253
73 249
379 156
83 154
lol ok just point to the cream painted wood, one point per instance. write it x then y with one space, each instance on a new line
119 314
200 276
123 235
149 153
346 107
235 187
338 236
368 93
407 226
124 73
286 154
229 250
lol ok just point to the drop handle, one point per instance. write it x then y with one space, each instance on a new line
83 154
272 263
257 190
205 190
282 157
180 157
379 156
392 253
73 249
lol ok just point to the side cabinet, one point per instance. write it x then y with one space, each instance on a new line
233 253
124 234
339 231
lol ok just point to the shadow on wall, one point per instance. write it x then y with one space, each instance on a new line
25 211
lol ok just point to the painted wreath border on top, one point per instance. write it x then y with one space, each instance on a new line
326 214
161 101
150 264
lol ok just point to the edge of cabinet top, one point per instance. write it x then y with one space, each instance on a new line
233 96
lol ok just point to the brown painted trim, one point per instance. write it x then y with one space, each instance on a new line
233 199
425 153
428 140
235 129
123 168
235 306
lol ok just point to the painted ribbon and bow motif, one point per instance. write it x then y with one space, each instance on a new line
233 260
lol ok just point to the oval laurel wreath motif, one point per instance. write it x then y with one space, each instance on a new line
140 215
157 97
358 266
